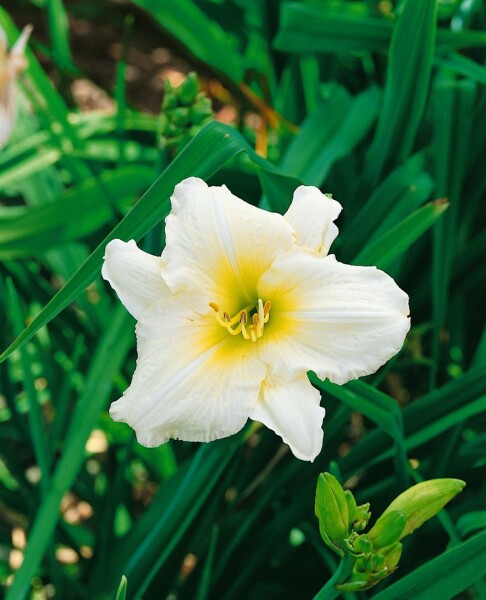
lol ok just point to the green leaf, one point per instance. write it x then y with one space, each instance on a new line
59 28
115 343
203 37
89 206
443 577
331 132
387 248
407 85
304 29
121 593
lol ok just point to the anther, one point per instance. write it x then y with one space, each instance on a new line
214 306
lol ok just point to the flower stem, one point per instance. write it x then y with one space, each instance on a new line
329 592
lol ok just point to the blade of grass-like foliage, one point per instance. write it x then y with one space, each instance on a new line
28 167
330 133
307 29
443 577
471 521
195 159
59 28
424 419
36 422
462 65
377 406
59 425
384 251
121 593
155 536
452 110
396 193
407 85
45 226
201 36
309 68
120 87
205 584
115 343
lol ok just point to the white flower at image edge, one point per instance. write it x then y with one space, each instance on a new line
11 64
241 304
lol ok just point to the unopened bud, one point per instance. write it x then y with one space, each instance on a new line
424 500
332 511
377 562
179 116
352 508
362 516
393 556
388 529
362 544
189 89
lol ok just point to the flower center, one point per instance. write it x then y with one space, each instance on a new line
249 321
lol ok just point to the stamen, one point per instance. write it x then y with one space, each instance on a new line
236 331
243 320
239 323
220 320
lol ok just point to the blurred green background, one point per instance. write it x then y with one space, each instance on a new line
380 103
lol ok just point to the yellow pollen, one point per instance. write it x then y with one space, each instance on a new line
239 323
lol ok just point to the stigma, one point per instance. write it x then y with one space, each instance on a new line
249 321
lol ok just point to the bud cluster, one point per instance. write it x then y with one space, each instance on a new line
375 554
185 110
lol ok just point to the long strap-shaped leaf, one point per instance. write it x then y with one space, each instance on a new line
407 84
445 576
115 342
204 156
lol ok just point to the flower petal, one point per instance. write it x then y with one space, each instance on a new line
134 275
291 409
193 380
341 321
311 214
218 246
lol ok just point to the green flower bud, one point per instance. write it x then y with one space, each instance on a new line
352 508
388 529
170 99
164 123
424 500
179 116
377 562
362 544
189 89
392 556
200 111
332 511
362 517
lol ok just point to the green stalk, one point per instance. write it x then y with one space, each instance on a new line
329 592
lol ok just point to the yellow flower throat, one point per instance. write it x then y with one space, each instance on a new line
249 321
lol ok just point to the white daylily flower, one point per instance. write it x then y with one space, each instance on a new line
11 64
243 303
